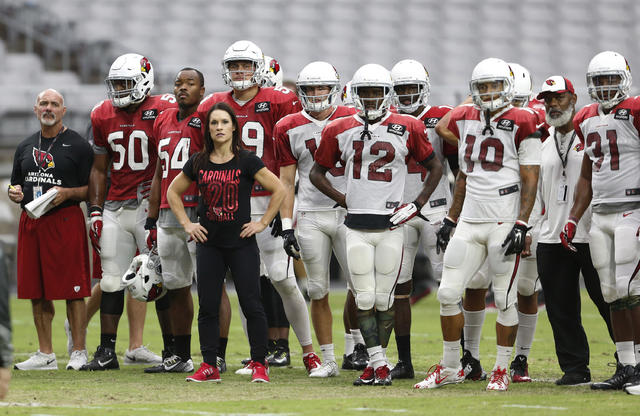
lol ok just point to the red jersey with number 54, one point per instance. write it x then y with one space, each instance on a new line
175 141
612 142
125 138
256 120
491 160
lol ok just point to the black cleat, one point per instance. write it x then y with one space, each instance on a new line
281 358
402 370
221 364
360 357
519 370
472 369
103 359
166 354
347 363
618 380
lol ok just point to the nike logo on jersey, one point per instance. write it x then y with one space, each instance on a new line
626 214
104 363
66 145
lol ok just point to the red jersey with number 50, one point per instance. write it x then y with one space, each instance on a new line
256 120
612 142
175 141
297 138
490 160
125 138
375 168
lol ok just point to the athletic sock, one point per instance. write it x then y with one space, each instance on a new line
348 344
182 346
282 344
526 331
376 357
473 321
626 354
222 347
168 342
451 354
108 340
357 336
503 357
403 342
327 353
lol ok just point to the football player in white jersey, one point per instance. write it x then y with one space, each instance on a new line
411 91
375 145
320 224
499 153
609 182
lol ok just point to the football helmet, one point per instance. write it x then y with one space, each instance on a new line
347 97
411 72
367 76
609 64
522 86
272 75
130 80
143 279
243 50
318 74
492 70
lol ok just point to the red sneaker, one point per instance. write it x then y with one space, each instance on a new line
206 372
366 379
311 362
260 373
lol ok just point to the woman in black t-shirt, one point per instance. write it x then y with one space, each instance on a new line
225 173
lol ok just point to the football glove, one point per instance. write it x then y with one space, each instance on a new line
276 225
568 233
443 234
290 243
95 226
516 238
151 232
404 213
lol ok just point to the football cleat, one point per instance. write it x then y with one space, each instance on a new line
247 370
327 369
173 364
472 369
77 360
498 380
402 370
311 362
104 359
38 361
366 379
519 370
382 376
439 376
360 357
347 363
141 355
160 367
260 373
573 379
617 380
281 358
221 364
205 373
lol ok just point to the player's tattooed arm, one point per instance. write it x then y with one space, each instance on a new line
529 178
98 180
319 180
434 167
459 192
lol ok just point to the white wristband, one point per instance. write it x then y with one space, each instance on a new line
287 224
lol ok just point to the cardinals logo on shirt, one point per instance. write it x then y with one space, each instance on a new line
579 147
43 160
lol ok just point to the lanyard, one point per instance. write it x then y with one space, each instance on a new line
566 156
40 155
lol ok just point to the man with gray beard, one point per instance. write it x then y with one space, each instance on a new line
559 269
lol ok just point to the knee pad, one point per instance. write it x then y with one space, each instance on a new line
286 288
360 259
384 301
449 309
317 289
365 300
449 296
110 284
508 317
163 303
112 303
501 300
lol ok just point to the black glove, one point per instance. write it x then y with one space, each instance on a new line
290 244
516 238
443 234
276 226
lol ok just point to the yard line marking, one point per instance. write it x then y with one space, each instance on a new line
373 409
526 406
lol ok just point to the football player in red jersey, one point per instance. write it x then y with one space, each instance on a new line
258 109
375 145
499 153
411 86
609 182
320 225
121 127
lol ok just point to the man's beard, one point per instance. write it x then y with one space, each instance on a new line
48 121
562 120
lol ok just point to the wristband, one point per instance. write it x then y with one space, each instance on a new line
95 209
287 223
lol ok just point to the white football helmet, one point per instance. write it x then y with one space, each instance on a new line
318 74
372 75
243 50
523 86
609 64
411 72
272 75
130 80
347 97
143 279
492 70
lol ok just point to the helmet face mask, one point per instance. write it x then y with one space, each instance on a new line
608 78
312 76
372 89
130 80
492 84
243 65
405 74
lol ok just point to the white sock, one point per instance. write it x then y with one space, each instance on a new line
357 336
451 354
327 353
526 330
295 308
503 357
473 321
636 350
348 344
626 354
376 357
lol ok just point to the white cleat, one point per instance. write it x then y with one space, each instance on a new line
439 376
141 355
77 360
38 361
632 389
498 380
327 369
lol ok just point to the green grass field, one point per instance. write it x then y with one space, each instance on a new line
130 391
